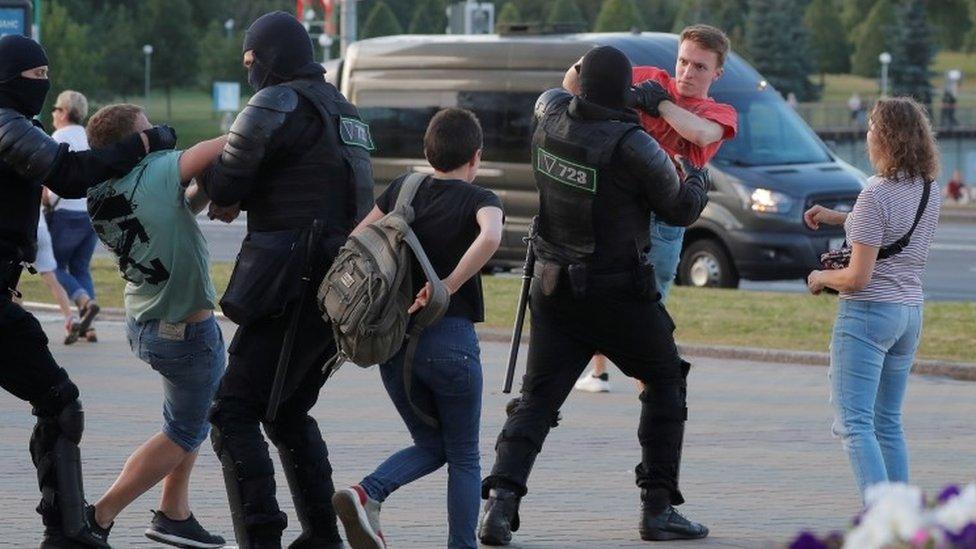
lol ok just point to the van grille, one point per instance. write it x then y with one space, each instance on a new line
842 202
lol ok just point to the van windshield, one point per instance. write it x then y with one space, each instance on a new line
770 133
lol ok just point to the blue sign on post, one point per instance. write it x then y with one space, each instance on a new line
227 96
13 20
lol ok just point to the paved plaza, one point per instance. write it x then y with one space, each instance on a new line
759 462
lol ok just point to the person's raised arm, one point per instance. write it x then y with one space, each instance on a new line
36 157
698 130
675 202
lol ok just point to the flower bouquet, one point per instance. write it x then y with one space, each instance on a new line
897 515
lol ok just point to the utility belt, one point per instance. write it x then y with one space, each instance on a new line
640 278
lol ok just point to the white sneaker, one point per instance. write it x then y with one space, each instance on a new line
593 384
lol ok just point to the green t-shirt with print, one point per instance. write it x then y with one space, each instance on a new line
145 220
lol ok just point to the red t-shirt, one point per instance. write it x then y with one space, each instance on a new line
668 137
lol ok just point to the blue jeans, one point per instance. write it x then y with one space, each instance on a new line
446 378
665 254
191 363
871 355
73 240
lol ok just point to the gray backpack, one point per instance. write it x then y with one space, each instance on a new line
366 293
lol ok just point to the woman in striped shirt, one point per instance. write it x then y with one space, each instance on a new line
879 321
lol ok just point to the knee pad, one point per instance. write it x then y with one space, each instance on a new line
667 401
71 420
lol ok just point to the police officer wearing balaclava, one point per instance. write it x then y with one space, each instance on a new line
297 153
599 177
28 159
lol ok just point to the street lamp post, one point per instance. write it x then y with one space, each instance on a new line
147 50
229 27
885 59
348 26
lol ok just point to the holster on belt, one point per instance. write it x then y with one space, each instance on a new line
577 279
644 281
547 273
9 277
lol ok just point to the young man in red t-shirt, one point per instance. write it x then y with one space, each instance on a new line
685 121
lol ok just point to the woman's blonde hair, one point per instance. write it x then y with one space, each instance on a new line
903 137
75 105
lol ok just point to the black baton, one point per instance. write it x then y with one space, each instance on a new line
523 302
284 358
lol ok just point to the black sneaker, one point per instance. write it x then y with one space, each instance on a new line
181 533
667 525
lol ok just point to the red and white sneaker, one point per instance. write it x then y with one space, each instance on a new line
360 516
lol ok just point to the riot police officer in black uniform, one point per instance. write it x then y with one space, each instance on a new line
297 153
599 177
29 159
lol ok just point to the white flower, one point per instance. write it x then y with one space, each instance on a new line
894 513
959 511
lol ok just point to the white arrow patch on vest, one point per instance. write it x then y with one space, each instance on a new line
565 171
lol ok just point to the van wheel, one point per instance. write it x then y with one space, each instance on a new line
705 263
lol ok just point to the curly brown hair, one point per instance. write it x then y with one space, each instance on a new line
903 139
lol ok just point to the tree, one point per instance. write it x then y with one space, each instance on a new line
618 16
121 61
853 15
912 54
73 62
381 21
175 46
950 21
778 47
728 15
428 18
565 11
509 14
876 35
220 57
659 15
827 39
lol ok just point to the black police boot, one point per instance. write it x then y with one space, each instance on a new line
501 517
660 521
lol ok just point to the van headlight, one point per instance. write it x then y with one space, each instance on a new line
762 200
767 201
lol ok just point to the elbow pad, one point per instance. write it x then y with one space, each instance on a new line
254 127
25 147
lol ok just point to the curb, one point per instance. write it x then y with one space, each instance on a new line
962 371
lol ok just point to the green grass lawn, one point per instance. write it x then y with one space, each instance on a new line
703 316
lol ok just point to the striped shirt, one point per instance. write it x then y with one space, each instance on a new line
883 213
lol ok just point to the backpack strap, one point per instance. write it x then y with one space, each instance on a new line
897 246
438 300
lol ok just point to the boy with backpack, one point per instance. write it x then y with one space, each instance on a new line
459 226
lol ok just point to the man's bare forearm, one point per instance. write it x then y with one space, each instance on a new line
692 127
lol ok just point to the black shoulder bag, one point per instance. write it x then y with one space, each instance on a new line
840 259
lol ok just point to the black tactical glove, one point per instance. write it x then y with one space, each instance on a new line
648 95
695 175
161 138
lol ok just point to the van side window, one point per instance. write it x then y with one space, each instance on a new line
506 120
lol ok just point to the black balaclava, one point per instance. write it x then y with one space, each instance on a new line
605 77
282 50
25 95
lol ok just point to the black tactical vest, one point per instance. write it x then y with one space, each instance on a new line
571 159
327 175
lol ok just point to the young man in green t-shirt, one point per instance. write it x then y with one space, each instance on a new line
148 219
